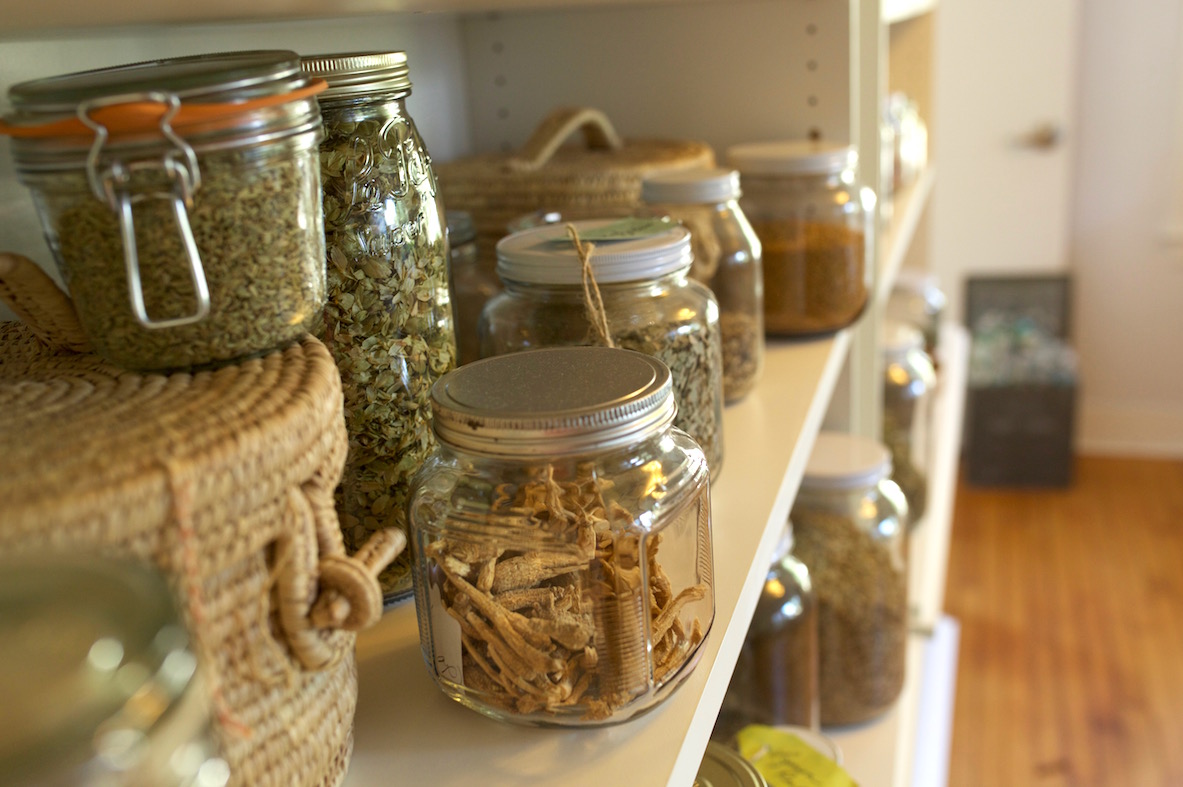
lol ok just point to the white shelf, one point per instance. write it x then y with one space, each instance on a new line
406 727
893 11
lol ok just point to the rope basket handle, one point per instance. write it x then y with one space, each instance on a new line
39 303
556 128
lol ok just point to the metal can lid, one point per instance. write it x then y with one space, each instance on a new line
792 157
544 255
353 74
691 186
846 461
724 767
552 402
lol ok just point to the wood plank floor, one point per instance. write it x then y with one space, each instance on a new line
1071 607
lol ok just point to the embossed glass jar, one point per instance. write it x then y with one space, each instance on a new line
649 305
814 224
388 321
100 684
181 201
726 259
562 538
850 530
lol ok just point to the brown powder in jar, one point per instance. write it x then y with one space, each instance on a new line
814 276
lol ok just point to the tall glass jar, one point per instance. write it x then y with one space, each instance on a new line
181 201
648 304
850 527
726 259
775 678
814 224
917 298
388 321
562 539
100 684
908 383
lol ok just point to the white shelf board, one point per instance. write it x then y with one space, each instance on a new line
406 730
907 207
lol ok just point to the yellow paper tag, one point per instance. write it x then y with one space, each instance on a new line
787 761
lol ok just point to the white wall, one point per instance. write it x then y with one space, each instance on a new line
1129 282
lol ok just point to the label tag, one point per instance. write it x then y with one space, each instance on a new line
785 760
633 228
445 640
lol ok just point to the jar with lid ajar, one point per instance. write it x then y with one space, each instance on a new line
181 201
649 304
562 538
388 322
814 224
726 259
850 530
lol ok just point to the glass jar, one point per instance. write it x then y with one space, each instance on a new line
388 322
917 298
474 282
561 530
649 304
775 678
908 383
100 685
181 200
726 259
849 523
814 224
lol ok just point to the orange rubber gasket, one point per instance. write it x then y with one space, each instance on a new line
138 117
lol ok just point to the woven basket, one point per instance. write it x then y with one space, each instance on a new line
600 179
224 480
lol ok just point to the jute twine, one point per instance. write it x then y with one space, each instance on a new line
224 479
593 303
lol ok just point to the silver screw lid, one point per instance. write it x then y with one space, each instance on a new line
353 74
553 402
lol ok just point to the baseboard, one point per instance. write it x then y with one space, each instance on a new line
1125 430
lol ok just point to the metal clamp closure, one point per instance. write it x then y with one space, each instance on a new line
111 184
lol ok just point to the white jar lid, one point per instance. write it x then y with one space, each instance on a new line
900 338
846 461
545 255
553 402
691 186
792 157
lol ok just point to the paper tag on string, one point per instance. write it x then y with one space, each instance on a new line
633 228
785 760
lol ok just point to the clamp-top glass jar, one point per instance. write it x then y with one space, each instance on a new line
181 200
908 383
726 259
850 529
100 685
561 530
648 304
388 321
814 224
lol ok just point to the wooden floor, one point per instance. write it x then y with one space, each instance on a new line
1071 608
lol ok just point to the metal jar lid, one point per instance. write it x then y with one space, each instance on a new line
545 255
843 461
553 402
356 74
263 93
724 767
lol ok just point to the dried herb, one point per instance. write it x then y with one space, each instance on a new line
257 225
742 350
564 632
388 320
862 615
814 276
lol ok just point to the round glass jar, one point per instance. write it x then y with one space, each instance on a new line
648 303
775 678
562 538
181 201
814 224
101 688
474 282
917 298
726 259
908 383
850 527
388 322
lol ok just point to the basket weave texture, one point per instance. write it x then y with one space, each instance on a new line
224 479
599 179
